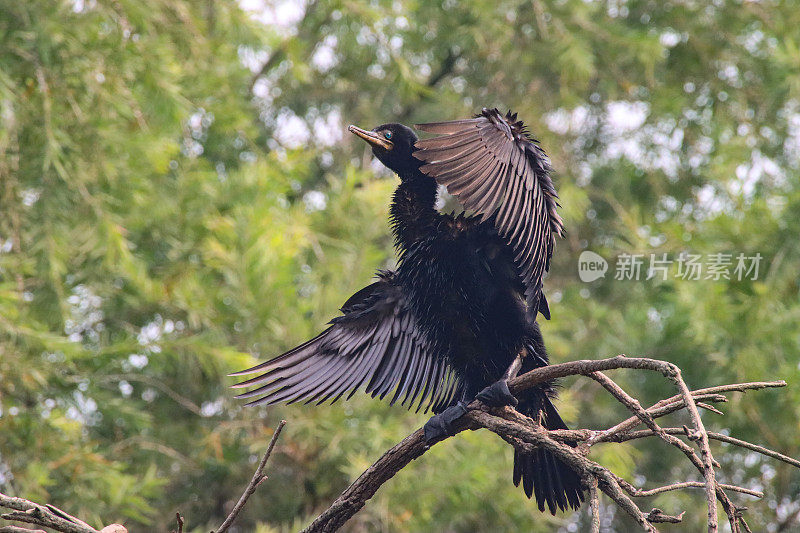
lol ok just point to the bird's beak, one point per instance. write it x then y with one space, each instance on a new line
371 137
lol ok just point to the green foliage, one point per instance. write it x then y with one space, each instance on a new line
161 227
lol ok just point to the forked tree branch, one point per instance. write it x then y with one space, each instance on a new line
525 434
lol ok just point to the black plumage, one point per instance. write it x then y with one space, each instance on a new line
496 170
376 345
463 301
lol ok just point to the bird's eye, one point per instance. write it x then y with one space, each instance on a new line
387 134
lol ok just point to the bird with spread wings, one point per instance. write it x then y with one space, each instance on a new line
457 317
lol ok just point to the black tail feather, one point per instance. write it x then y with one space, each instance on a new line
554 484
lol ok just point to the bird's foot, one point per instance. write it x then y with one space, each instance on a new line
441 425
497 395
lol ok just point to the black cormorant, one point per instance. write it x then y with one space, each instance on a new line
461 306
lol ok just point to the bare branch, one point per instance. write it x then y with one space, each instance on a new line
657 516
66 516
629 402
657 410
756 448
675 403
587 367
15 529
701 436
258 478
622 437
523 433
640 493
742 387
710 408
44 515
584 367
594 503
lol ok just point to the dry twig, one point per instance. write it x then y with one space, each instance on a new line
179 520
258 478
633 491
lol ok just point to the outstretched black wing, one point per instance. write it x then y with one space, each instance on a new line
494 168
375 345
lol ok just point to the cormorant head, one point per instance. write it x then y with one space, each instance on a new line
393 145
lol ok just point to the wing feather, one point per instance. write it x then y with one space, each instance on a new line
438 145
375 345
416 382
394 361
494 168
451 126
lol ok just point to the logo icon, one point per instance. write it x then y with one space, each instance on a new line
591 266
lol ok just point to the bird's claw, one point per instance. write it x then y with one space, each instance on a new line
497 395
441 425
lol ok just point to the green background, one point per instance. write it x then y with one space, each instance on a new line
178 199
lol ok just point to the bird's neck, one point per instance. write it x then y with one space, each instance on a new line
412 212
